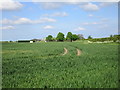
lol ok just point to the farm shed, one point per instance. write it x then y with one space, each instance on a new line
31 41
24 41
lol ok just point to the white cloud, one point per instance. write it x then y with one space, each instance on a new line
102 22
91 23
90 15
55 5
18 21
89 7
22 21
61 14
27 21
84 4
42 20
10 5
104 4
50 5
48 27
7 27
79 29
57 14
75 1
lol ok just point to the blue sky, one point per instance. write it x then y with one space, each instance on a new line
29 20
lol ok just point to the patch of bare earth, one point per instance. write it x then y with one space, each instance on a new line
65 51
78 52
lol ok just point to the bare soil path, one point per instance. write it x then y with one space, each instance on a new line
78 52
65 51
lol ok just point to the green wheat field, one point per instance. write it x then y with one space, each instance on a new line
43 65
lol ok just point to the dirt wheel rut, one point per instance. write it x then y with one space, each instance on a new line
65 51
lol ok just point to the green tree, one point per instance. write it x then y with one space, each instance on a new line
60 37
111 36
75 37
54 39
89 37
69 36
49 38
116 37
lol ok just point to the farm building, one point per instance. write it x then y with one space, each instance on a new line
29 41
24 41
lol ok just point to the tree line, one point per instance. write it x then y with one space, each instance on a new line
73 37
61 37
114 38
